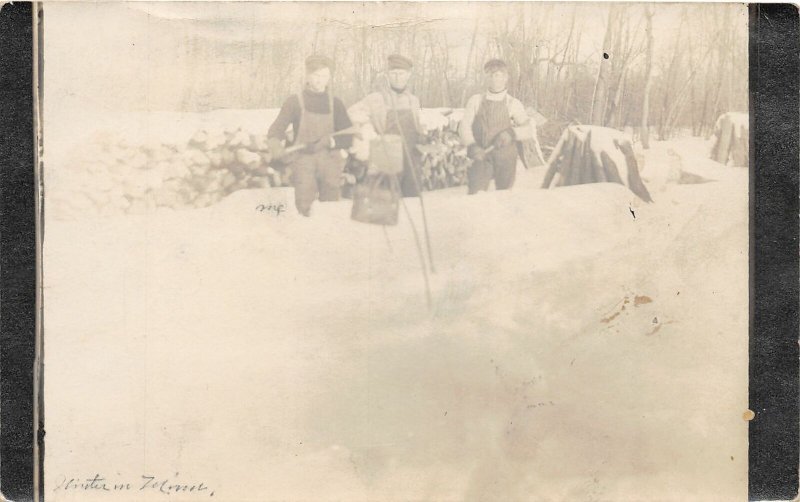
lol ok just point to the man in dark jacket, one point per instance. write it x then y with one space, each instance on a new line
314 114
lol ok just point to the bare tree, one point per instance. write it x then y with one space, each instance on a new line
463 100
600 96
648 79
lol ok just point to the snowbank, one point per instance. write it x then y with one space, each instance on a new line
576 340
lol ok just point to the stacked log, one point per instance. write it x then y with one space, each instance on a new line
441 158
115 176
592 154
732 143
443 161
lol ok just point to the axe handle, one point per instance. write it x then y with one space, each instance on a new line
300 146
488 150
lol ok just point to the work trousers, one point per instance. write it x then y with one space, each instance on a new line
409 178
316 174
500 164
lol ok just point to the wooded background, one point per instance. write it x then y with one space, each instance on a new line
671 67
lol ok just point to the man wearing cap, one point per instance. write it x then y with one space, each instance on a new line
314 114
392 109
492 122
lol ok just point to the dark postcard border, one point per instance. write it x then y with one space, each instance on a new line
774 162
774 259
17 252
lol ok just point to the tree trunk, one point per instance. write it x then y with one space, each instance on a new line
463 101
600 96
618 101
648 79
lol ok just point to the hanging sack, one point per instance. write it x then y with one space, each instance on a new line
386 154
376 200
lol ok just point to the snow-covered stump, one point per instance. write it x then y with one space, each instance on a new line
732 131
593 154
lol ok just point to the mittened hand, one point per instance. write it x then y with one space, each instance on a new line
475 152
503 139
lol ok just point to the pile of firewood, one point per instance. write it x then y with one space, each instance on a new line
114 174
117 176
443 160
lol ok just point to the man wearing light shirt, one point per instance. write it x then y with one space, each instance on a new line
494 120
394 110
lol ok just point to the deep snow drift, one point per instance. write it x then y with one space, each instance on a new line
582 345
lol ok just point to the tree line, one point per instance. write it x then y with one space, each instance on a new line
656 68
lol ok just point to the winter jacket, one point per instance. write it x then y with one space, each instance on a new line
315 102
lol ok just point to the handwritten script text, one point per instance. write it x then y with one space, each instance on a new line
144 483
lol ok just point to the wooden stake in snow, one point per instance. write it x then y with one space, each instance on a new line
593 154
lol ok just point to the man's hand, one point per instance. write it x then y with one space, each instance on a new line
476 152
504 139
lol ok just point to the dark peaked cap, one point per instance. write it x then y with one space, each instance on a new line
396 61
494 64
316 61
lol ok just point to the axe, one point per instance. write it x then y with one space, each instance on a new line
354 131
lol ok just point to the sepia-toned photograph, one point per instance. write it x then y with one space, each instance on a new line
384 251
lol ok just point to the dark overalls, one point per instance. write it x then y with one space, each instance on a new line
319 172
403 123
501 163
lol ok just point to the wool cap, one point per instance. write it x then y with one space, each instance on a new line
396 61
494 65
316 61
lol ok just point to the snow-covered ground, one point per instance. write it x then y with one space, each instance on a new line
581 345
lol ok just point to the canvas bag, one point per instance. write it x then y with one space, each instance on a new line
386 154
387 151
377 200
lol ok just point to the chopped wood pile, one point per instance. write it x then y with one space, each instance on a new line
443 161
732 144
593 154
117 176
115 173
